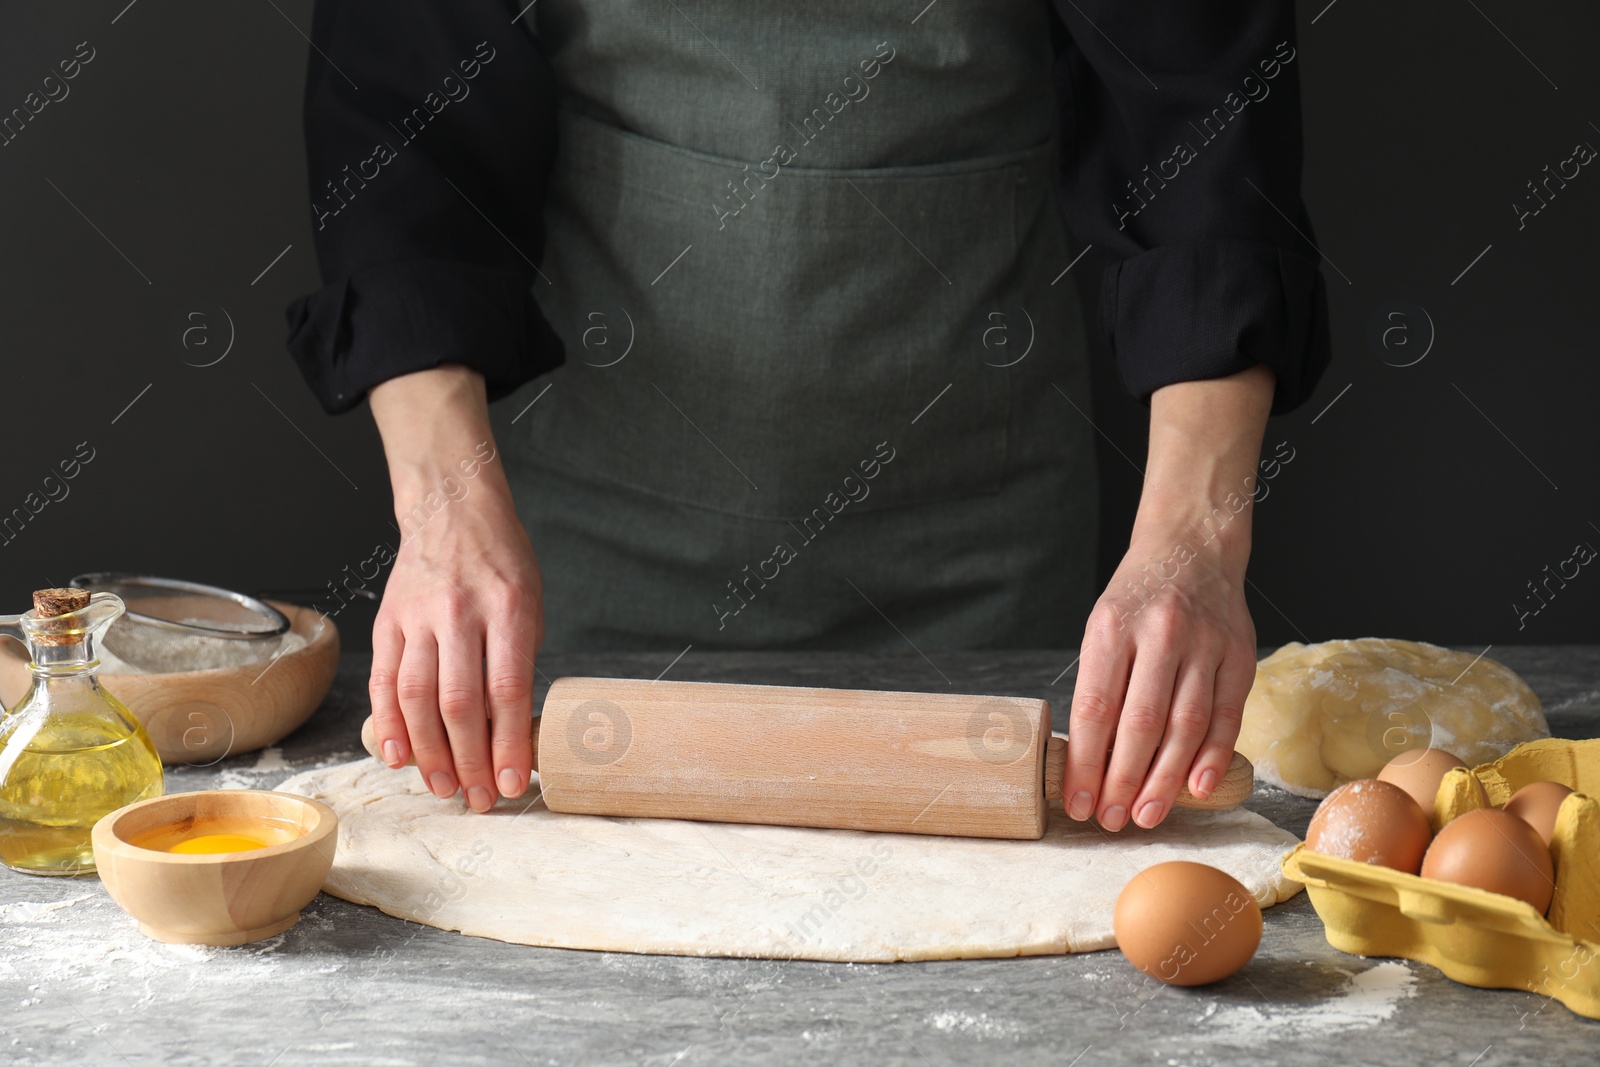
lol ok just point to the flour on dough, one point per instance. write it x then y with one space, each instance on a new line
525 874
1322 715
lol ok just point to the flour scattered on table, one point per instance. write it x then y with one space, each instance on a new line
1581 701
89 944
271 759
980 1025
28 911
1367 999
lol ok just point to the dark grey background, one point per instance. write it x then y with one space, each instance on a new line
1419 504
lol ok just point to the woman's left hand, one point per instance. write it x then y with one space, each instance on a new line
1168 655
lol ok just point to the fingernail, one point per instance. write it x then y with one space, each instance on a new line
391 753
442 783
1208 782
511 784
1082 805
480 798
1114 818
1150 813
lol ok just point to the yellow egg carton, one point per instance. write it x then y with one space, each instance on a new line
1474 936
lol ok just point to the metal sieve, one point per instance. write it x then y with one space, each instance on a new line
217 627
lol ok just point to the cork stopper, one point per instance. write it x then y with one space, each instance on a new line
50 603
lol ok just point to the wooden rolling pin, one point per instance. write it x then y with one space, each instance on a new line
852 759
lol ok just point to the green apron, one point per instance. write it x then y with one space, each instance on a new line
822 361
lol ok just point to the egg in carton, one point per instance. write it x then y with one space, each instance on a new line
1474 936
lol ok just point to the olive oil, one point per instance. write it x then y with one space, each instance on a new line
74 768
70 752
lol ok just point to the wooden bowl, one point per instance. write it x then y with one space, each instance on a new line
203 716
228 898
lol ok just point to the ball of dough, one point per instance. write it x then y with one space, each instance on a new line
1325 714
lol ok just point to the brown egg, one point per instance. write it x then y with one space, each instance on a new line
1419 773
1537 804
1492 850
1371 822
1186 923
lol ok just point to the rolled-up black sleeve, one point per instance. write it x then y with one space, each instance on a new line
430 129
1181 164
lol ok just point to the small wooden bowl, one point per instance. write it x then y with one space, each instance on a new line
203 716
227 898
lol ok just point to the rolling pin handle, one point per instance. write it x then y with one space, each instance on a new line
369 741
1235 787
1055 766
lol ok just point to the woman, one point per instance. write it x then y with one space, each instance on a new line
774 305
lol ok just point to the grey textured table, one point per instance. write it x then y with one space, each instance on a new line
348 984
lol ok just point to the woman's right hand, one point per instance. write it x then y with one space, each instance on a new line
454 643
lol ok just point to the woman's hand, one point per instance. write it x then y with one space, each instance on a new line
1169 653
455 637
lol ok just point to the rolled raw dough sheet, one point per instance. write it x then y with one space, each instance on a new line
524 874
1325 714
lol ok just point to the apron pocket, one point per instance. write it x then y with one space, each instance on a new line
744 337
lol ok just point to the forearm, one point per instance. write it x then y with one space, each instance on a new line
436 436
1205 443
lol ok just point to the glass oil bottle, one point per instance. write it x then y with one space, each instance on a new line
70 752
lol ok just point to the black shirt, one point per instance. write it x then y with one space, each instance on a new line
1181 157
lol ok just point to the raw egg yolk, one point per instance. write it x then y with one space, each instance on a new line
207 844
